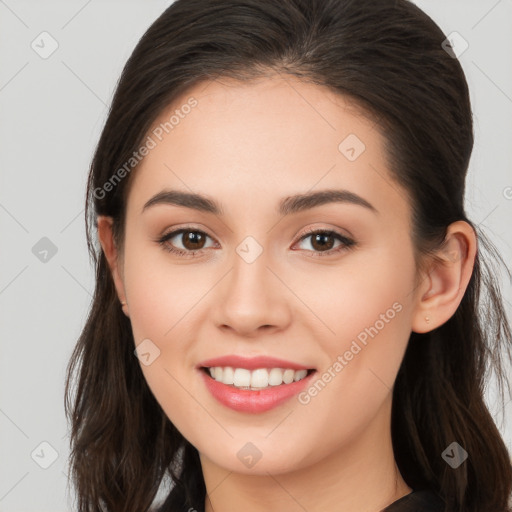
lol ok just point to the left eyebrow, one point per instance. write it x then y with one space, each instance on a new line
301 202
287 206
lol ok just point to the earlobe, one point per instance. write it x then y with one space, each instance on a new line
441 291
106 238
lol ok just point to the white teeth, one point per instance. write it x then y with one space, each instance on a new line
256 379
259 378
242 378
299 375
275 377
288 376
228 375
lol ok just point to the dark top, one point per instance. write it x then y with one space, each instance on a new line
417 501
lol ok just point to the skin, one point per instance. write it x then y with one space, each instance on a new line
248 145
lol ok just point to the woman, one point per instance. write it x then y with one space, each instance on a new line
287 312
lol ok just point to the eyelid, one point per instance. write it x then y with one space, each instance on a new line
324 229
307 231
176 231
186 227
347 242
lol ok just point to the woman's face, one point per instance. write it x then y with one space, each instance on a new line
340 303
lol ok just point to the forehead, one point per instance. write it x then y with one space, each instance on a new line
272 136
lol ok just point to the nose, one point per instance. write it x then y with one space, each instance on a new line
251 300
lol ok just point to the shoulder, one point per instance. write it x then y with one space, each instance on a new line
417 501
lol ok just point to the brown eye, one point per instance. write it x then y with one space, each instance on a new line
193 240
185 242
322 241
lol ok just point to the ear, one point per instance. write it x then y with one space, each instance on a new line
105 235
440 292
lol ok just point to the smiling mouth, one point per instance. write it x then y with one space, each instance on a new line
255 380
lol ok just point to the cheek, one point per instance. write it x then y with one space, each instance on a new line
161 295
366 290
368 311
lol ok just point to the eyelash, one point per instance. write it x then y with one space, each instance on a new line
346 243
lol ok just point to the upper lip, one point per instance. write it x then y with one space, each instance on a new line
251 363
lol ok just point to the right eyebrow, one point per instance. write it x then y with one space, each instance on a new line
186 199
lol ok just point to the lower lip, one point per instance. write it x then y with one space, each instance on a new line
245 400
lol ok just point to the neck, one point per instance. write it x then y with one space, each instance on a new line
360 475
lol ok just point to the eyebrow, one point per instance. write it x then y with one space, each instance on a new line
287 206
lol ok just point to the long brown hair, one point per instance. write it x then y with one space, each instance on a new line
386 56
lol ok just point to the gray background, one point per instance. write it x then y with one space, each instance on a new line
52 111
